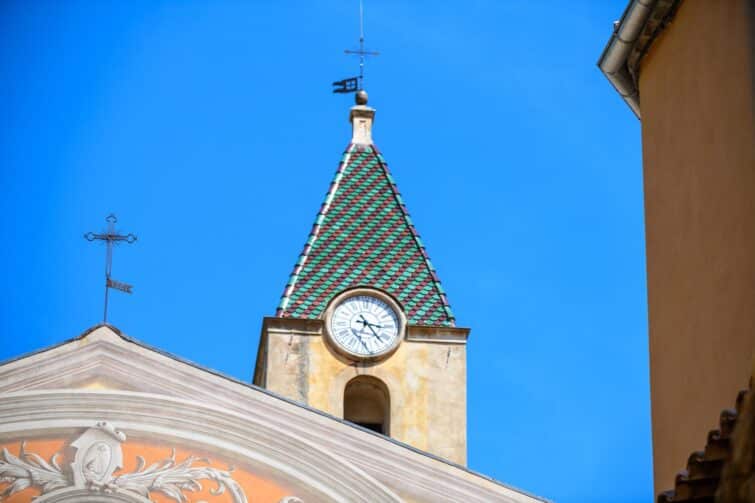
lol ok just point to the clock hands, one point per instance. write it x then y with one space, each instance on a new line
364 326
375 333
369 325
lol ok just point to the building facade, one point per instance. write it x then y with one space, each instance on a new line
686 69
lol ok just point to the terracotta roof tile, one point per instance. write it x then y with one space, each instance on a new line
699 482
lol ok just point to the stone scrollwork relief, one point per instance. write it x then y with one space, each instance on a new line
30 469
98 455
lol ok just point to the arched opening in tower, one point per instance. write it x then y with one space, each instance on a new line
366 402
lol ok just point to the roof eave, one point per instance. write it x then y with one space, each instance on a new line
641 24
613 61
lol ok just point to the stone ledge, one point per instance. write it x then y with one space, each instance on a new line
298 326
445 335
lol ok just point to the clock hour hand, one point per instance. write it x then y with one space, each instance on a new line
367 323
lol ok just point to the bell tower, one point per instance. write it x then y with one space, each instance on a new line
364 330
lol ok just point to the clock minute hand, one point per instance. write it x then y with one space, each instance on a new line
374 333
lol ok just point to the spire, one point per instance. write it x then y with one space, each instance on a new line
363 236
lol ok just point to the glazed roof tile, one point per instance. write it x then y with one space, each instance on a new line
363 236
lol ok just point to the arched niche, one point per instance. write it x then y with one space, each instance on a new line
366 402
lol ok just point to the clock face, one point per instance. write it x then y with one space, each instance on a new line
364 326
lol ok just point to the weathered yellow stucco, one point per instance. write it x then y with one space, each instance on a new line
698 136
426 380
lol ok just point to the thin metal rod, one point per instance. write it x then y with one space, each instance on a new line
108 260
360 52
108 264
361 23
361 45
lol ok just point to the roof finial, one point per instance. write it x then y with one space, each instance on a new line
361 97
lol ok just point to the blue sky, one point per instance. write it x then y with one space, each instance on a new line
210 130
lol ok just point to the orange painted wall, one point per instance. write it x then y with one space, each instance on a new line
698 138
257 489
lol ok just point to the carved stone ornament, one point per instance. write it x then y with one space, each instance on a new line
89 477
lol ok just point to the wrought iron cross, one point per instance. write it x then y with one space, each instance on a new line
111 238
352 85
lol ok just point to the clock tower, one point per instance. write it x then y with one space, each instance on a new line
364 330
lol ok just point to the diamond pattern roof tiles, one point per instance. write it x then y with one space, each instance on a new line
363 236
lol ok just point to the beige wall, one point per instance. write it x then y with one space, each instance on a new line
696 92
426 382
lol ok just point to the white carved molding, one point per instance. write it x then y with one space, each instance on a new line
173 421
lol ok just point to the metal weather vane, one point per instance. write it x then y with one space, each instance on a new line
354 84
111 238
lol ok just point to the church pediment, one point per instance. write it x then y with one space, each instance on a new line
104 358
49 399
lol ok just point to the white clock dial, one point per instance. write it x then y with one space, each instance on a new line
364 326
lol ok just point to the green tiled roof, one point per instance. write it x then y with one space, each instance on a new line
363 236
